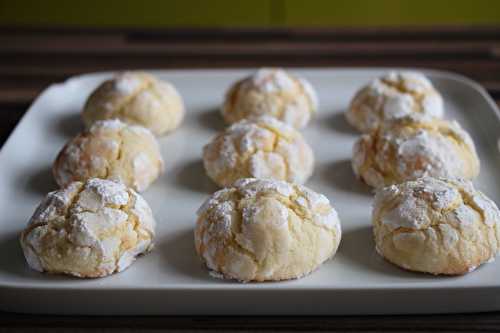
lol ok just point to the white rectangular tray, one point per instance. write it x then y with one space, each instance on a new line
171 280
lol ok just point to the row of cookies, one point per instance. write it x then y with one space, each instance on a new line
269 230
264 225
404 136
97 223
122 117
265 111
426 216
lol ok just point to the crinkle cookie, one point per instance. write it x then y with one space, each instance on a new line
437 226
266 230
260 148
136 98
407 149
272 92
88 230
110 149
392 96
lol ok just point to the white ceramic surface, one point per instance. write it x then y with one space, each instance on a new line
171 279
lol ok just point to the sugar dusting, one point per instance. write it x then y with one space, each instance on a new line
230 210
127 83
273 92
411 148
393 96
272 80
414 199
88 211
259 146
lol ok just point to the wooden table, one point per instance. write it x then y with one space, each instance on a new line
32 59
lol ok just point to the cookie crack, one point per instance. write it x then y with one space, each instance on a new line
370 162
234 239
119 111
234 242
73 202
301 212
111 165
274 146
417 96
468 201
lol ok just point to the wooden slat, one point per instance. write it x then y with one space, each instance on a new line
88 45
486 322
443 33
66 64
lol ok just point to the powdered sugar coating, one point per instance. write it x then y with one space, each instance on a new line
110 149
436 225
250 187
412 147
392 96
136 98
108 194
262 148
127 83
260 230
89 229
272 80
272 92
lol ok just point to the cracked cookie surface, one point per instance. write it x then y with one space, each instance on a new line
266 230
88 230
412 147
110 149
272 92
438 226
136 98
263 147
392 96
